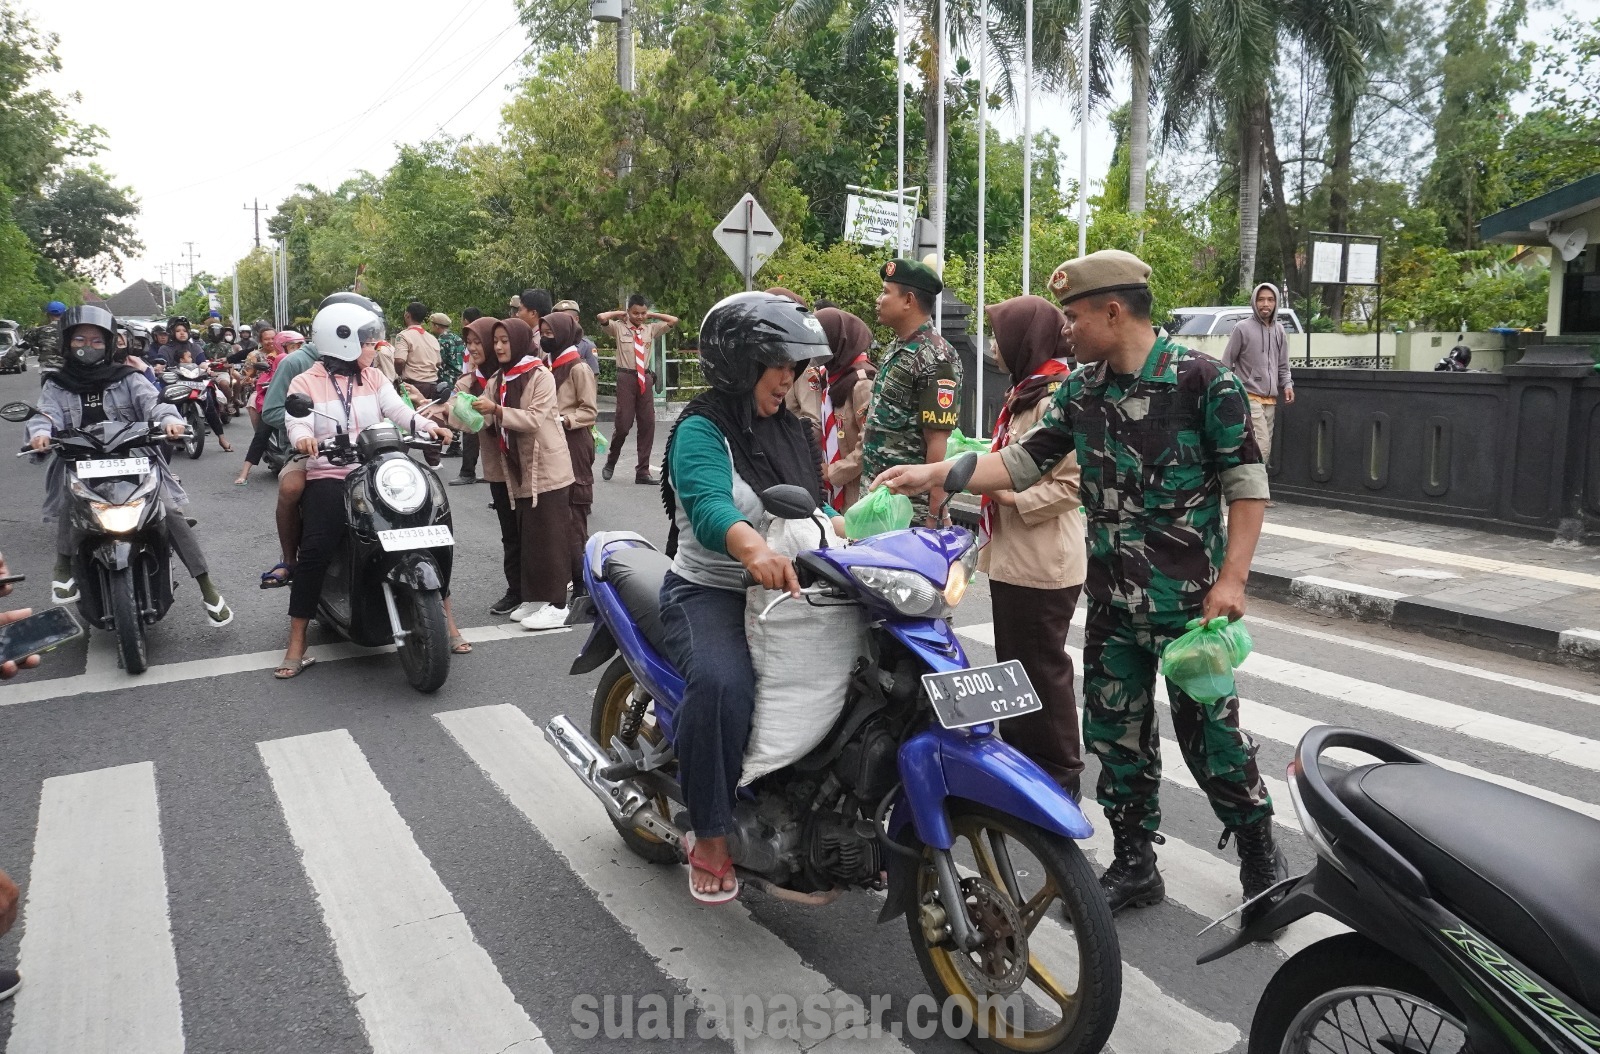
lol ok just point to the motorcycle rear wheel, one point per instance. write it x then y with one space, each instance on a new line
1072 986
425 652
196 446
1348 991
611 705
131 644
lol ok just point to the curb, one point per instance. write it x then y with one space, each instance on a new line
1529 638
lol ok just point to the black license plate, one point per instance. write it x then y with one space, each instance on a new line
963 698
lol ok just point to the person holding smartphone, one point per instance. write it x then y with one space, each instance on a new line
9 670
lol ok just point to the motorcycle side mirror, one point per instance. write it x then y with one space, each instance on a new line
297 404
17 412
960 474
788 502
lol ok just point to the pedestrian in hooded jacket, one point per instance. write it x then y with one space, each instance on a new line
1258 352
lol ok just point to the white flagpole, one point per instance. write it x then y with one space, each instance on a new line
1083 139
1027 146
983 190
900 119
944 159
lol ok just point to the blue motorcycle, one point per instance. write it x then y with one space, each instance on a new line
912 793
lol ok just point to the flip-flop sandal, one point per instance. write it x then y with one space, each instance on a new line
271 580
289 670
219 613
241 482
721 896
459 645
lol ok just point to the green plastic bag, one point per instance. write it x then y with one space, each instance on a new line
959 444
880 511
463 410
1202 661
601 443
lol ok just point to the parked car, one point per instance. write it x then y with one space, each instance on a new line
12 357
1219 321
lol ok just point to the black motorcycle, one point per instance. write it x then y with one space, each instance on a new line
122 554
386 582
190 388
1475 910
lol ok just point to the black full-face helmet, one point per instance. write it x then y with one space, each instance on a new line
745 333
89 315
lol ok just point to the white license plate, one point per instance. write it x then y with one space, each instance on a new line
115 466
963 698
415 538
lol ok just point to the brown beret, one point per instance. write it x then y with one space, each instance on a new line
1106 271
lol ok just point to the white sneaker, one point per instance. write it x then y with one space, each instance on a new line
522 611
547 617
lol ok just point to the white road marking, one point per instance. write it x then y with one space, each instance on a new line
100 973
420 981
719 951
103 676
1435 556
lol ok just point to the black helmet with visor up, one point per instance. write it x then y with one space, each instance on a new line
746 333
86 354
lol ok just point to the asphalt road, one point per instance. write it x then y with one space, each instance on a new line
218 862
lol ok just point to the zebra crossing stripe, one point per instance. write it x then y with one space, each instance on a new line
721 953
421 982
97 955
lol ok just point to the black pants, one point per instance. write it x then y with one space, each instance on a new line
322 520
505 510
258 444
469 453
1030 625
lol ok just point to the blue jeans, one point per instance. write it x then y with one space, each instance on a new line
706 642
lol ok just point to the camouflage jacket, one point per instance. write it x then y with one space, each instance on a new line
918 386
1159 453
451 352
46 339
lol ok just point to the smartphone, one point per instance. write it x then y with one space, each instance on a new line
8 580
44 631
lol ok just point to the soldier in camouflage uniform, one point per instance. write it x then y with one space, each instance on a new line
916 398
46 339
1160 446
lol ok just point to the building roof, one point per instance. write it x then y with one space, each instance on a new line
1515 226
142 299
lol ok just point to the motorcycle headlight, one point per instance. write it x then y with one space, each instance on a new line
118 519
960 576
401 485
906 591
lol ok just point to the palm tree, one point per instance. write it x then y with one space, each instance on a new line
1004 39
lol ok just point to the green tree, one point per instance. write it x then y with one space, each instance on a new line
1558 142
82 222
22 295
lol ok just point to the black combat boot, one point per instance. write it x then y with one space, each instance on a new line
1261 864
1132 879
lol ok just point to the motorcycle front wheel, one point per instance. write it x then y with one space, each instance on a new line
131 647
425 651
1349 992
1047 975
196 445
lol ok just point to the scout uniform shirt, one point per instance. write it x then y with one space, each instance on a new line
918 386
1159 451
629 336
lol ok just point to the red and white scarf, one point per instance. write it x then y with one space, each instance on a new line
566 358
528 363
1002 438
641 354
833 429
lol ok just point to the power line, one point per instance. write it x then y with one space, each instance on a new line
515 59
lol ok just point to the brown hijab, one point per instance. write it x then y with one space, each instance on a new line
849 338
566 332
1029 333
483 329
511 388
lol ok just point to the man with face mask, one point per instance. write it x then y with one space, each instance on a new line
92 387
1258 351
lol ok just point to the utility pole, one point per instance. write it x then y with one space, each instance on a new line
191 261
625 71
256 208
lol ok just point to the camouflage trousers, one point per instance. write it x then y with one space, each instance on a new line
1121 659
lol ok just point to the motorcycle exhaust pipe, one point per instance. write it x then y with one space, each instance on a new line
626 801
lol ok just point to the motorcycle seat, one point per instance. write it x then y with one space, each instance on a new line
638 572
1521 869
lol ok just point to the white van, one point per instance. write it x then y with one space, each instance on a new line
1219 321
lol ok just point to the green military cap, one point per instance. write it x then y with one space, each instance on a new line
912 275
1106 271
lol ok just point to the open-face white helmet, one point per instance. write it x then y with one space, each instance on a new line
339 330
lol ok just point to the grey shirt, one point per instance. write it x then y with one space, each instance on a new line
1260 356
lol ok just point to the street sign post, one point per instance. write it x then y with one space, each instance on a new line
749 238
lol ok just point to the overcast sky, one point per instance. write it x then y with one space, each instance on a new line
208 106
